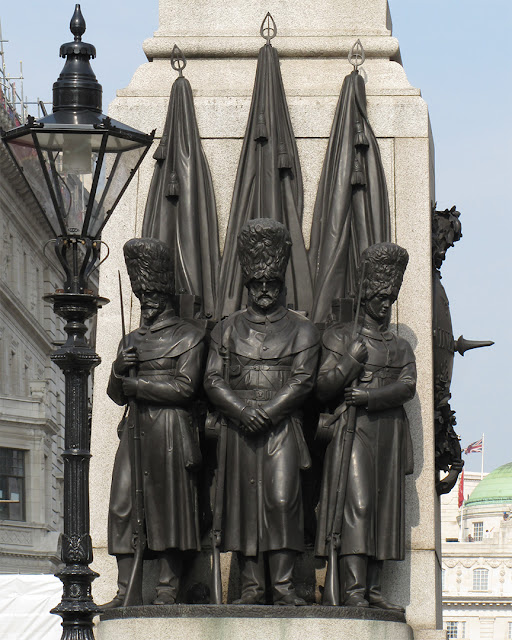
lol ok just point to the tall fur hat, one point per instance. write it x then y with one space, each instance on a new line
149 265
384 268
264 247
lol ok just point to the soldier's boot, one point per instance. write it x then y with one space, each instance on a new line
124 569
170 564
353 570
281 565
252 576
375 597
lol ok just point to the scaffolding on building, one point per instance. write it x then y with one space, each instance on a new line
12 98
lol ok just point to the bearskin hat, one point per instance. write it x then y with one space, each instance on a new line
384 266
149 265
264 247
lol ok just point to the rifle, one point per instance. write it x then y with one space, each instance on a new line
133 595
218 502
331 595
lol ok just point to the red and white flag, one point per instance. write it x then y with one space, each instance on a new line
474 447
461 489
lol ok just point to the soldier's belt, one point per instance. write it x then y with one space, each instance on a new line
266 367
236 370
392 373
154 372
256 394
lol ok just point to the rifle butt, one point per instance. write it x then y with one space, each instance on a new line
216 584
331 595
133 595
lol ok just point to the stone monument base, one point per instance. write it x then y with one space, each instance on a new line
224 622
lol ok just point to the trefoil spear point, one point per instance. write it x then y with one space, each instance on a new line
268 29
357 56
178 60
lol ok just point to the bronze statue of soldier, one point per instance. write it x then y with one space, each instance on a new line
272 360
157 373
374 371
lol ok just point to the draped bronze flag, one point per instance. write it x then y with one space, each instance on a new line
180 208
268 185
351 209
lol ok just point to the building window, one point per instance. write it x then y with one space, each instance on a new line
478 531
480 579
455 629
12 484
509 636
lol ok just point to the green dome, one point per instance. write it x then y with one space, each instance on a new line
494 488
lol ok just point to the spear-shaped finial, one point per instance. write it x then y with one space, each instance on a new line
268 29
178 60
356 57
77 24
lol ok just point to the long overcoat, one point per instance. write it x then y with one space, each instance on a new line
169 373
373 517
272 364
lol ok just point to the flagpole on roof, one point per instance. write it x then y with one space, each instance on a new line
482 469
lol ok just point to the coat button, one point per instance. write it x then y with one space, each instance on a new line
252 480
265 348
146 473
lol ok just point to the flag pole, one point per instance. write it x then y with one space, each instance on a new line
482 469
461 522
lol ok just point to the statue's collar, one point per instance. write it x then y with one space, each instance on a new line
260 318
165 319
372 329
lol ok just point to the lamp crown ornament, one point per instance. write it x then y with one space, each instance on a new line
77 24
77 87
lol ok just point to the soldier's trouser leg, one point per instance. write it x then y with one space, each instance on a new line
252 575
170 565
281 565
375 597
353 569
124 568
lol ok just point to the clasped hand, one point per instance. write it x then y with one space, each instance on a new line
255 420
126 360
358 351
356 397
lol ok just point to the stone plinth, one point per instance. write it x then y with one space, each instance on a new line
210 622
221 44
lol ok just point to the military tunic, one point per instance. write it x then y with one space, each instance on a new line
169 373
373 518
272 364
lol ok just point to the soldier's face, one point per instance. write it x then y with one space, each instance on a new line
265 293
152 303
379 306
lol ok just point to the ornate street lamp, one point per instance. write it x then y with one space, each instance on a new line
78 163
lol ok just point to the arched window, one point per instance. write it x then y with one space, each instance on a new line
480 579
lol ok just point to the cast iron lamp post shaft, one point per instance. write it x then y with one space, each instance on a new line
76 358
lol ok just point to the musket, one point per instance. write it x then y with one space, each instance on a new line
331 595
133 595
218 502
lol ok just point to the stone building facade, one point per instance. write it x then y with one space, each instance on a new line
477 558
31 386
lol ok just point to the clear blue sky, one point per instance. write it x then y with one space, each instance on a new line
457 53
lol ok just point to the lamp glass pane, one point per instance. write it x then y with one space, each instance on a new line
117 172
65 188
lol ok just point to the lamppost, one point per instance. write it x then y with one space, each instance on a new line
78 163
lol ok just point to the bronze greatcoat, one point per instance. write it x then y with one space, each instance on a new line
169 373
373 519
273 360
